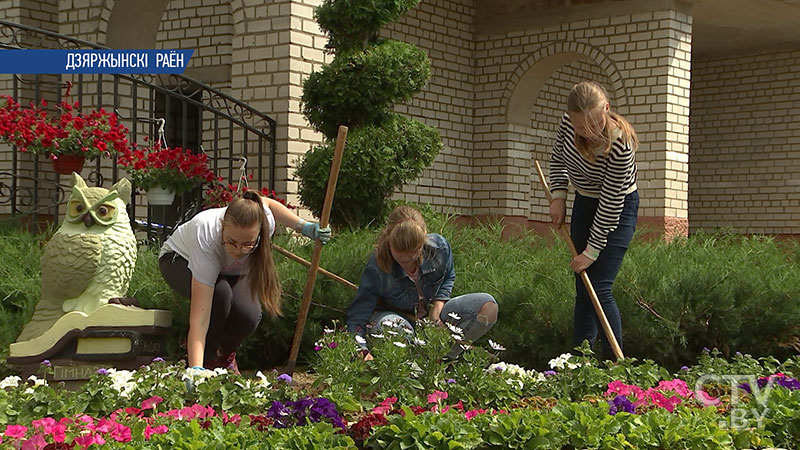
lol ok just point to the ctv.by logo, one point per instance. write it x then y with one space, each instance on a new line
739 417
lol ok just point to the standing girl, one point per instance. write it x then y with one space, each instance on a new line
594 151
222 261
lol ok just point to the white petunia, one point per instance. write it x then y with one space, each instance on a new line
122 381
454 316
418 341
327 330
360 340
562 362
496 346
454 329
399 344
37 381
10 381
262 380
377 335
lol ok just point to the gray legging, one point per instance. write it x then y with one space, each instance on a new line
234 312
466 307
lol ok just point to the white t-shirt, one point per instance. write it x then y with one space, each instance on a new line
199 241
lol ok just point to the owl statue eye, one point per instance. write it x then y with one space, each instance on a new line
76 208
105 211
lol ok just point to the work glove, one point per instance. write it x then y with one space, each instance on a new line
312 230
193 373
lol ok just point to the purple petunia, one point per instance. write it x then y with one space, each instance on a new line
549 373
47 363
780 379
285 377
450 381
620 403
102 371
158 359
303 411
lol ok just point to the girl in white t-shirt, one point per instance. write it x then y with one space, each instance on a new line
222 261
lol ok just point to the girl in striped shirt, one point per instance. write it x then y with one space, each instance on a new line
594 151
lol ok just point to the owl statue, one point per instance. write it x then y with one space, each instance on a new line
90 259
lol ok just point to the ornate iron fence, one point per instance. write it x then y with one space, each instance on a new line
198 117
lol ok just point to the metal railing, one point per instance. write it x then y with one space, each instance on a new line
198 117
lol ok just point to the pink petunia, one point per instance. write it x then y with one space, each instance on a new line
661 401
149 431
474 412
16 431
36 442
121 433
84 441
385 406
436 396
45 424
152 402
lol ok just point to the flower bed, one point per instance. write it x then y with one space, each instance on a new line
399 400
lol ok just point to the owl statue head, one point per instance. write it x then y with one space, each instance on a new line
92 207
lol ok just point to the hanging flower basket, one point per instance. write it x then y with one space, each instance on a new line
158 196
66 164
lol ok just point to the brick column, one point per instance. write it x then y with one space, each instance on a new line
274 48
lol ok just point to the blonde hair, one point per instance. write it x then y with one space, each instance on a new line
247 212
587 96
405 232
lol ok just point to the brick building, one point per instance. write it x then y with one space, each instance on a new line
712 87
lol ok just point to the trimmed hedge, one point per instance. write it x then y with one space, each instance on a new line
730 292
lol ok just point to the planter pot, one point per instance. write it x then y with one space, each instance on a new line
158 196
66 164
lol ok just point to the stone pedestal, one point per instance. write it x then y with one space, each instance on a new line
77 345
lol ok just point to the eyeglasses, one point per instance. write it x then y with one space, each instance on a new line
244 248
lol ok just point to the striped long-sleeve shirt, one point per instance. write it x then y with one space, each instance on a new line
609 178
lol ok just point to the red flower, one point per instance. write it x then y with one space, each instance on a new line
37 130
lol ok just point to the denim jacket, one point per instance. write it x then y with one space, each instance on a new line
396 291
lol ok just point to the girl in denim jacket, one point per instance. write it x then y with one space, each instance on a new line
410 276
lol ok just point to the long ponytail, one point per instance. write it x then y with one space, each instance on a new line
248 211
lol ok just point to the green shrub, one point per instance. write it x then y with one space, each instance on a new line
355 90
379 159
354 24
366 78
716 291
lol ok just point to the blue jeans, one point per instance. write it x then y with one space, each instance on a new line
603 272
465 306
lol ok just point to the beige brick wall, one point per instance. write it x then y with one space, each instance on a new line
646 59
745 135
444 30
203 25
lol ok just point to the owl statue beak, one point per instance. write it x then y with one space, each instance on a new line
88 220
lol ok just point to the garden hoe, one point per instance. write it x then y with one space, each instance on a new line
612 340
311 278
